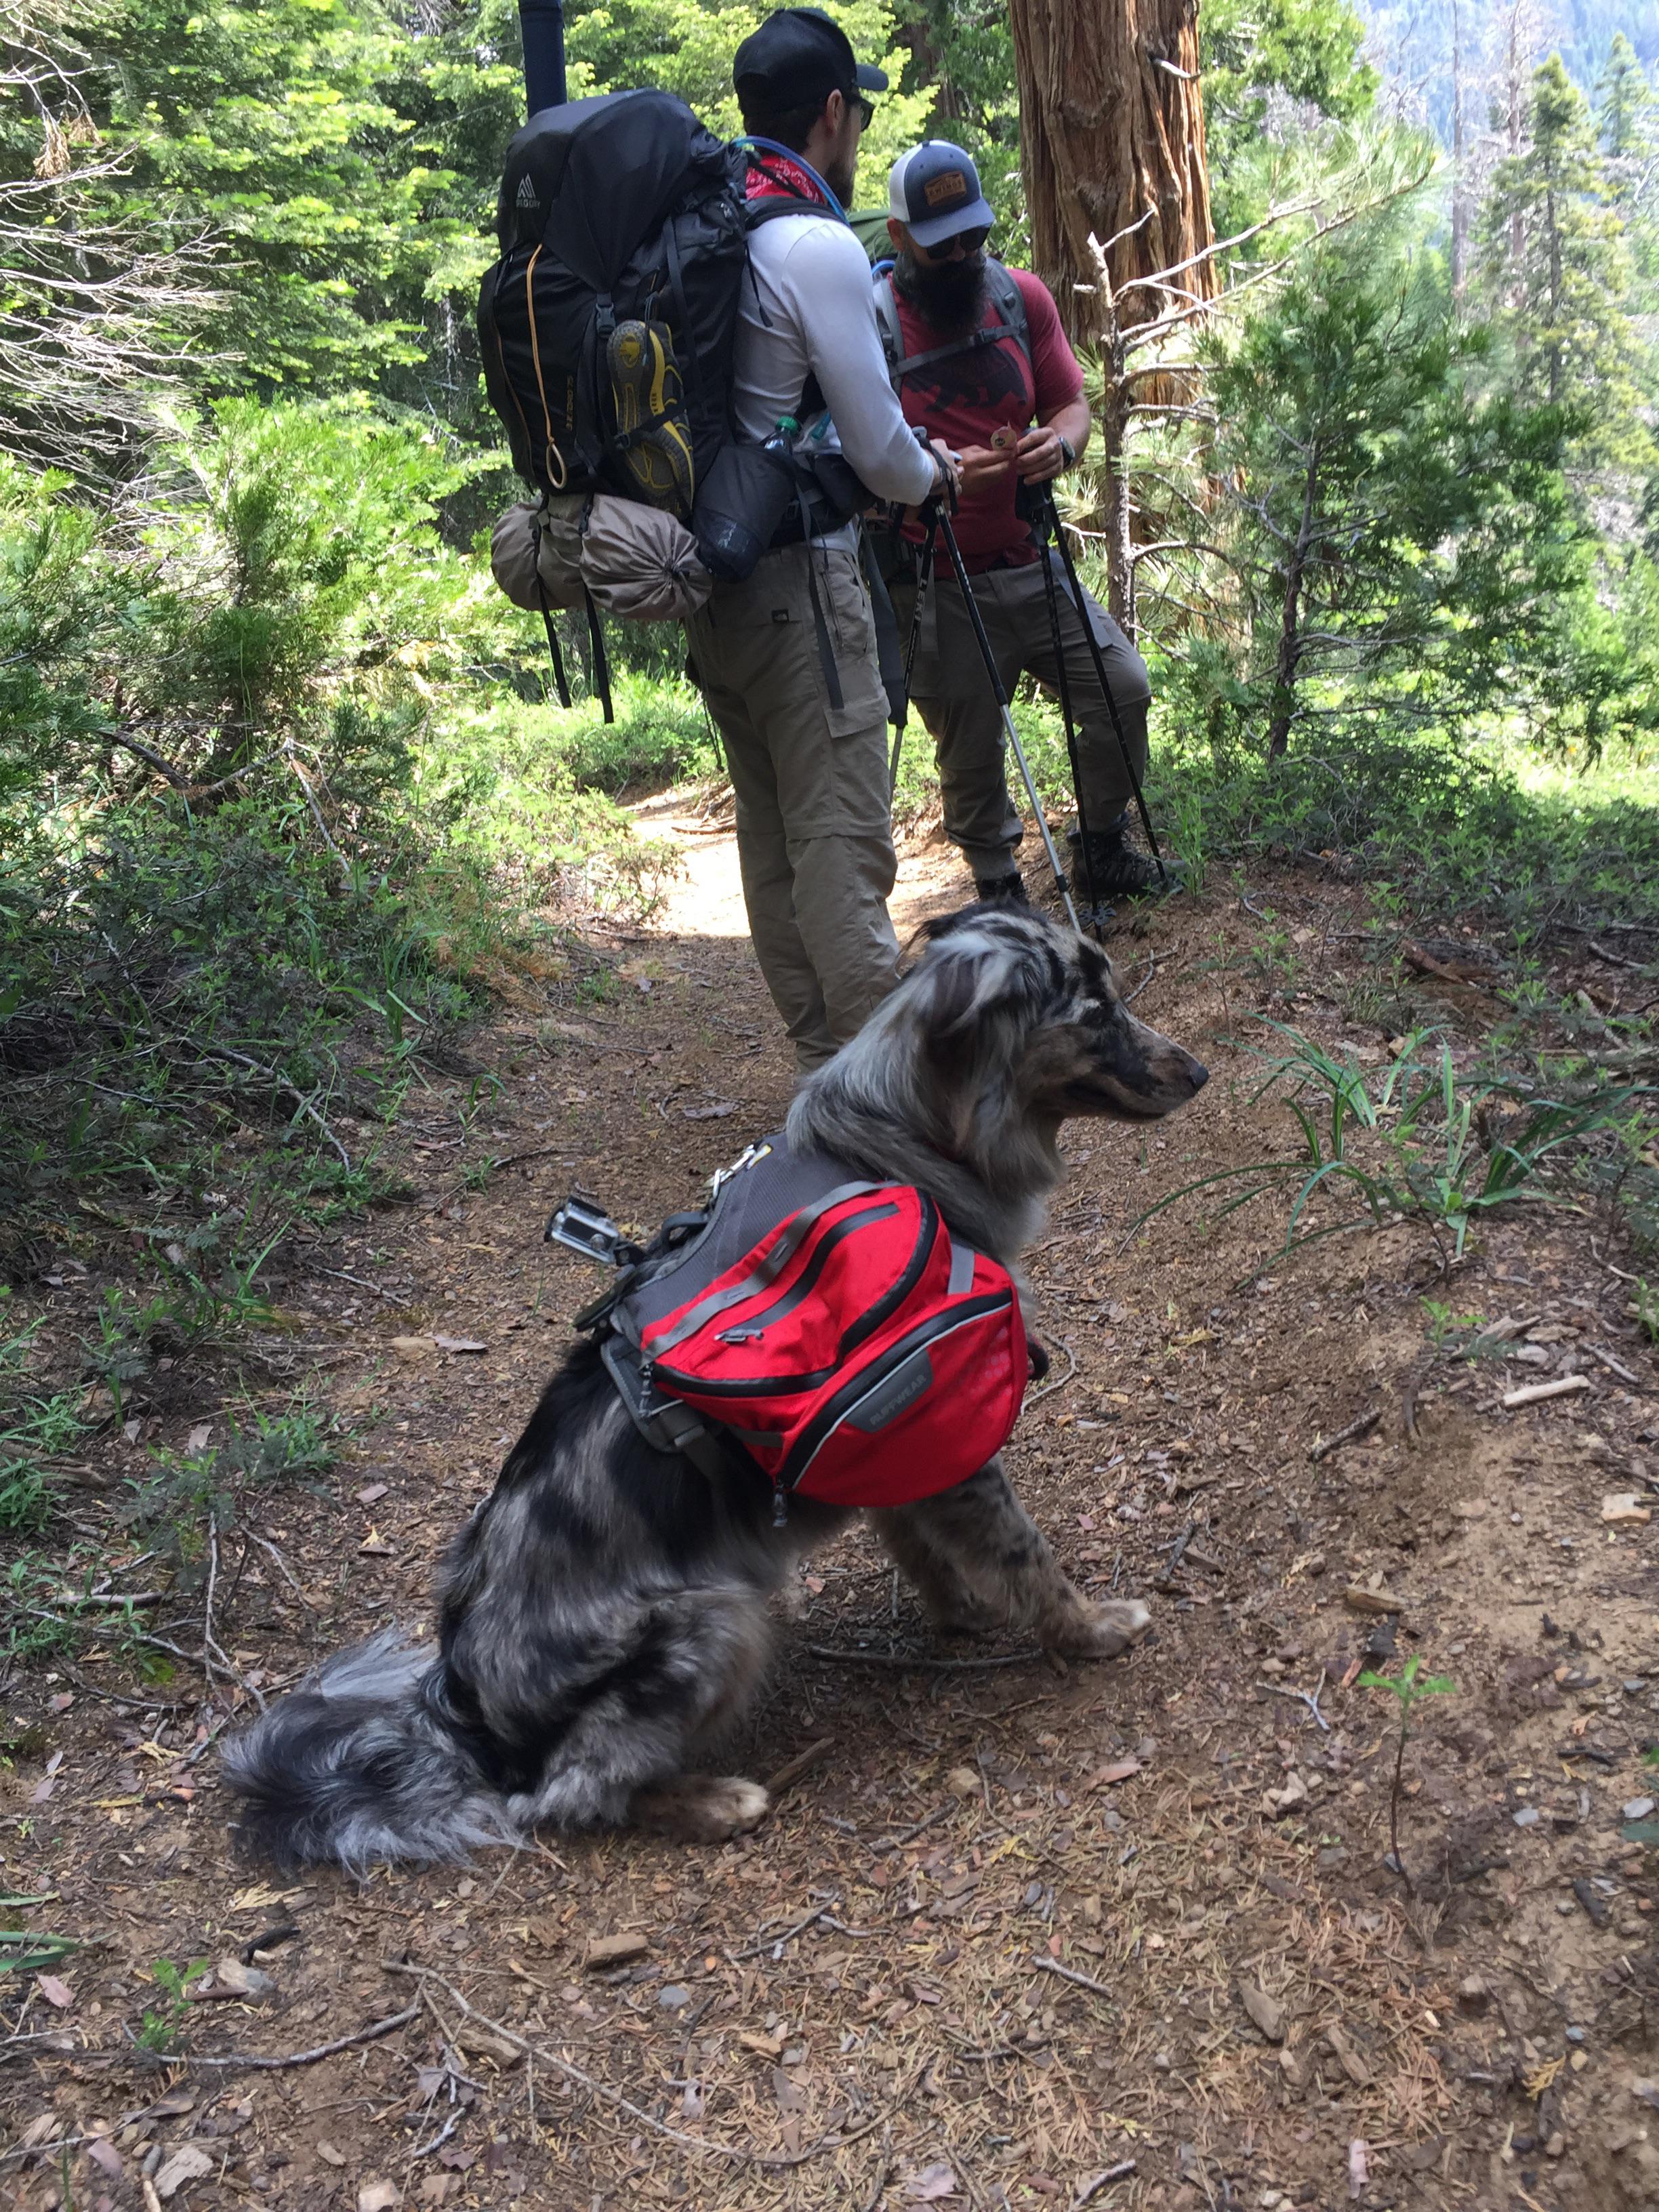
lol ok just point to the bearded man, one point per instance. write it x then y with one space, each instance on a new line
979 360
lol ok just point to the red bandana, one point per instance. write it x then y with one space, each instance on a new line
781 179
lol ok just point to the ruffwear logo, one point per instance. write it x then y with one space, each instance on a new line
527 195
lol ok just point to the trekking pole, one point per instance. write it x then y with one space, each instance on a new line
1063 680
1099 660
1001 692
924 584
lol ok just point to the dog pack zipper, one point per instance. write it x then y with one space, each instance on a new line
885 1307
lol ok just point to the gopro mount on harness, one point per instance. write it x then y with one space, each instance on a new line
587 1229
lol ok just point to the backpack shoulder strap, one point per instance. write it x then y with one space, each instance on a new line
771 204
887 322
1005 297
1010 303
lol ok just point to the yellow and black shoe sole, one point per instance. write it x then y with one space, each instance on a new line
646 396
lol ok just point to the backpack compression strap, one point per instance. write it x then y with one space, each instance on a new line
1010 323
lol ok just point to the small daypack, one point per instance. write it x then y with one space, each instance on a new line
834 1330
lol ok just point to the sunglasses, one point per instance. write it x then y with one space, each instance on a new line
969 241
867 112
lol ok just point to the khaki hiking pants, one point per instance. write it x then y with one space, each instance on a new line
953 696
798 700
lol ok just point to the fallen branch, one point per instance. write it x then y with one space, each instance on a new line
897 1843
1048 1388
280 1082
772 2160
1090 2189
1427 965
778 1936
175 776
803 1763
901 1659
280 2065
1614 1366
1352 1434
1070 1974
1533 1393
1617 959
1308 1698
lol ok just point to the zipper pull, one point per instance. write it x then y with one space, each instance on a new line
741 1335
779 1508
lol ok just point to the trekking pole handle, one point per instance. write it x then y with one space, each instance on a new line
950 486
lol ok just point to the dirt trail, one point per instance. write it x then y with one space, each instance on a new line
1012 1927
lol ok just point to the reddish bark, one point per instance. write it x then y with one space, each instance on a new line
1111 131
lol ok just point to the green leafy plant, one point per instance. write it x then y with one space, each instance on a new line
1408 1688
35 1428
187 1494
1646 1302
163 2020
1427 1159
28 1951
1443 1321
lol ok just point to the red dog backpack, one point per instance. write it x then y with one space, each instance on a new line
855 1350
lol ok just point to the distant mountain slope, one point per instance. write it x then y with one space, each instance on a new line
1410 43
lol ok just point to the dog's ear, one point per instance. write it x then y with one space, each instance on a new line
980 989
965 983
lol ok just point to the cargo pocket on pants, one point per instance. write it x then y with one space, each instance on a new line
844 635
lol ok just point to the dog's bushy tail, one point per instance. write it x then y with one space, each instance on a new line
360 1764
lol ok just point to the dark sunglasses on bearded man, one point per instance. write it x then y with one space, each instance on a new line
966 243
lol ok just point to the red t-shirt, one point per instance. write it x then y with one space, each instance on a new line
964 399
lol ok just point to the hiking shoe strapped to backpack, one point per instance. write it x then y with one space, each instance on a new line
647 399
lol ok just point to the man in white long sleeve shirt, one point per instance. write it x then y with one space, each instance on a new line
788 659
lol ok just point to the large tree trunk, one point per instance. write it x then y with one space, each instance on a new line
1111 131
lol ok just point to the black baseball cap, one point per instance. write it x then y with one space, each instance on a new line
799 56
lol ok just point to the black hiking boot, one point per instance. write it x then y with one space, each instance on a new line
1115 868
1002 890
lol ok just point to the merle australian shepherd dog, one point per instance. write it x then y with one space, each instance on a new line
603 1615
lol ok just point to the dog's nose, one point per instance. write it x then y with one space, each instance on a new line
1197 1074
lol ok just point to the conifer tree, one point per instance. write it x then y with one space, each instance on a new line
1400 540
1558 266
1623 104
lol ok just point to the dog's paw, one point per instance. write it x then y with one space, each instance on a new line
1098 1631
703 1808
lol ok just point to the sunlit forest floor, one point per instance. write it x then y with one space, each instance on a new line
1016 1934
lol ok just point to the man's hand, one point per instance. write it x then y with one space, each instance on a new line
1040 454
949 464
984 465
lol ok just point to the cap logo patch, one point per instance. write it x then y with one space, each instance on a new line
944 190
